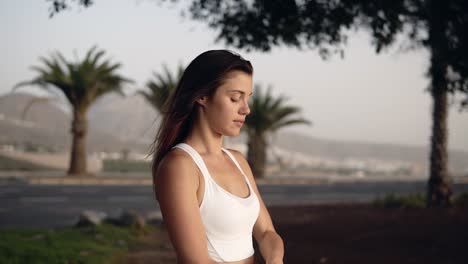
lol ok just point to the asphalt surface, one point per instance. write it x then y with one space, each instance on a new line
25 205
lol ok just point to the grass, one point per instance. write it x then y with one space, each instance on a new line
461 199
103 244
416 200
9 164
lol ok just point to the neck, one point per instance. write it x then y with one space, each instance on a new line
203 139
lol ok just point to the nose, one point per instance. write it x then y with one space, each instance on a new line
245 109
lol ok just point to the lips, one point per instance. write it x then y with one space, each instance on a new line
240 122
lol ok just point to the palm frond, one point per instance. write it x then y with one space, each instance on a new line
269 113
161 86
81 82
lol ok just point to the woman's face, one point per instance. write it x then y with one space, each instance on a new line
227 109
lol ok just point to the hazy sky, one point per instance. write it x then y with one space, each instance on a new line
364 97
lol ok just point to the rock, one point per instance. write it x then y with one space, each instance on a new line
131 218
99 237
154 217
91 218
121 243
84 253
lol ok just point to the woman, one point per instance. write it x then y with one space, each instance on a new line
210 203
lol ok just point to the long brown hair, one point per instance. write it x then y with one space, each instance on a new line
201 78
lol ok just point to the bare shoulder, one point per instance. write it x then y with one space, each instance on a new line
176 161
243 163
176 158
176 184
176 168
238 155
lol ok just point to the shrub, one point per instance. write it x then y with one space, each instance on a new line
402 201
461 200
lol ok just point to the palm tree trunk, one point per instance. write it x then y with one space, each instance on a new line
439 189
256 154
78 152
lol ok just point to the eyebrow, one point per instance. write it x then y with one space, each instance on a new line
239 91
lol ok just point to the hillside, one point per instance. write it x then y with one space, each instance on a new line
117 123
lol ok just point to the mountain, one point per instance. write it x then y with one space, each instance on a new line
128 118
341 150
47 125
116 123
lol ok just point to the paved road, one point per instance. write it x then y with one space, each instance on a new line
24 205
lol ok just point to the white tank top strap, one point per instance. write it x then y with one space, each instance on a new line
196 157
228 222
237 164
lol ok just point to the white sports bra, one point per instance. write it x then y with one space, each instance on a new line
228 219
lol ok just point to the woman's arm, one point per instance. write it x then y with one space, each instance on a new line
176 187
270 243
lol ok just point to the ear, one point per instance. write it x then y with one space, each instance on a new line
202 100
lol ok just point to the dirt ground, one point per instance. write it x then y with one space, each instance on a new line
357 233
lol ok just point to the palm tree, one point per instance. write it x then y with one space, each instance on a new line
82 83
161 87
268 115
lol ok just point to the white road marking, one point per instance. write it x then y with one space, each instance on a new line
42 199
128 198
79 190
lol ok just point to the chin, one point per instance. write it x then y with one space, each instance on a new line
232 133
